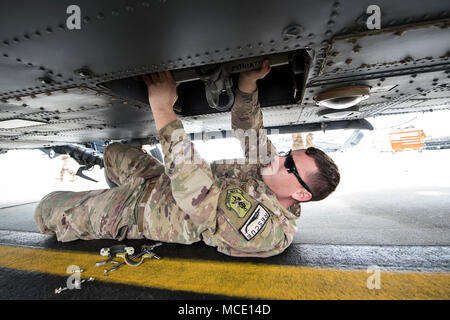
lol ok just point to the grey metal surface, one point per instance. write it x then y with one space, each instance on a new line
40 58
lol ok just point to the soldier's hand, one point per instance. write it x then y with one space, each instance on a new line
247 79
162 90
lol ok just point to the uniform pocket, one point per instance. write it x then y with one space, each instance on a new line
244 223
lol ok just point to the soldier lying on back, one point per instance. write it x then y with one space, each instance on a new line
243 209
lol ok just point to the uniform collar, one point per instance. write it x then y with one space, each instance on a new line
295 210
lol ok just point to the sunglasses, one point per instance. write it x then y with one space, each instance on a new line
289 164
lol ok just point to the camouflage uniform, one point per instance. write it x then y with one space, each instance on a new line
297 141
225 205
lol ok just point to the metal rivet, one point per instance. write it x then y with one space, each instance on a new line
129 8
145 4
357 48
292 31
49 30
115 12
83 72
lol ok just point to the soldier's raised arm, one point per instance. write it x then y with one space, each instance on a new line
193 185
247 118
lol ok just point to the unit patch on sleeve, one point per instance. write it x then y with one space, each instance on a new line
255 223
235 201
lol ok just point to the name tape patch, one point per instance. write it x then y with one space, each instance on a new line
255 223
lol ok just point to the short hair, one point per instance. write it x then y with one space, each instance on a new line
323 182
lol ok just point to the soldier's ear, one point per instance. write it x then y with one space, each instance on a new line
301 195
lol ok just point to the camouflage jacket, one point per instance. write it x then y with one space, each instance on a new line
226 204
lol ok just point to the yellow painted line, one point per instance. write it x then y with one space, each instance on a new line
236 278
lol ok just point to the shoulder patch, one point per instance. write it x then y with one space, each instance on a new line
236 201
255 223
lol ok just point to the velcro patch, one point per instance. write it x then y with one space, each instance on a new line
255 223
236 201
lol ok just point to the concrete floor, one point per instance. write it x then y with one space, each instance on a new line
383 199
390 210
366 218
406 216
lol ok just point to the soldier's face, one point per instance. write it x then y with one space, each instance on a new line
283 183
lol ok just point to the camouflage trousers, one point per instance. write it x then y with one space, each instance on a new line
102 214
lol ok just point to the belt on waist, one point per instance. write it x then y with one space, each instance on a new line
141 206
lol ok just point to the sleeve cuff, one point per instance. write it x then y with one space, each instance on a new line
165 133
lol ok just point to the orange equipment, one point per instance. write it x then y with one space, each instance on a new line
411 139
